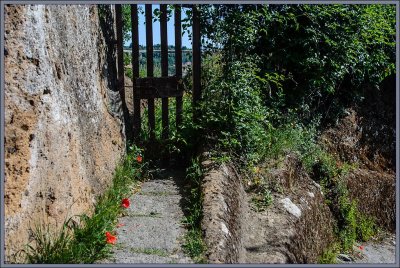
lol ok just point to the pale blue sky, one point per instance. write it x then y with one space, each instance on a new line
156 30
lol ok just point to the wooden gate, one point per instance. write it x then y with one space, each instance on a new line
163 87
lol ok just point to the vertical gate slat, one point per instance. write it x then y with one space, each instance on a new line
135 41
178 60
135 68
150 65
164 67
196 56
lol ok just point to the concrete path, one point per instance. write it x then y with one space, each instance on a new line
381 250
152 231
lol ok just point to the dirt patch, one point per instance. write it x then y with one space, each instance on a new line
351 141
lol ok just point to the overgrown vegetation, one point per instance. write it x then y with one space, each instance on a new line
194 245
82 239
275 75
318 58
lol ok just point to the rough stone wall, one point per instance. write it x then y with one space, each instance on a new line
223 213
296 228
64 130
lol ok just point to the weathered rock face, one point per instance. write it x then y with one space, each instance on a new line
64 131
296 228
224 210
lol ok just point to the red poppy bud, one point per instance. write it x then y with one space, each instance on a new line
110 239
125 203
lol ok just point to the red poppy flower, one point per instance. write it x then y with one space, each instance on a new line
125 203
110 239
139 158
361 247
120 225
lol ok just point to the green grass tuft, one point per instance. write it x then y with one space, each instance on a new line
329 255
150 251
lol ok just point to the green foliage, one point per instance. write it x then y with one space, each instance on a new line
320 55
127 22
232 113
366 227
347 218
329 255
325 168
353 225
295 137
181 143
49 248
271 75
128 73
194 245
262 199
82 238
127 59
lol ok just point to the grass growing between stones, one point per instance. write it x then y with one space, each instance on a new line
150 251
82 238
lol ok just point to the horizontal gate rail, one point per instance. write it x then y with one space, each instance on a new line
158 87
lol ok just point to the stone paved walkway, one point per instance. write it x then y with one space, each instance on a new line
152 231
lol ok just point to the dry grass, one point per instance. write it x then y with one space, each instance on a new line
375 193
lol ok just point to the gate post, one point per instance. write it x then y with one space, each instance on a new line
135 68
164 68
196 59
178 61
150 66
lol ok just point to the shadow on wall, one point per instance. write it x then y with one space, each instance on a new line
106 21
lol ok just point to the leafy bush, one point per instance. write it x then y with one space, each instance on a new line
233 116
321 55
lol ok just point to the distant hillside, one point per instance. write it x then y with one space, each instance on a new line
186 59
